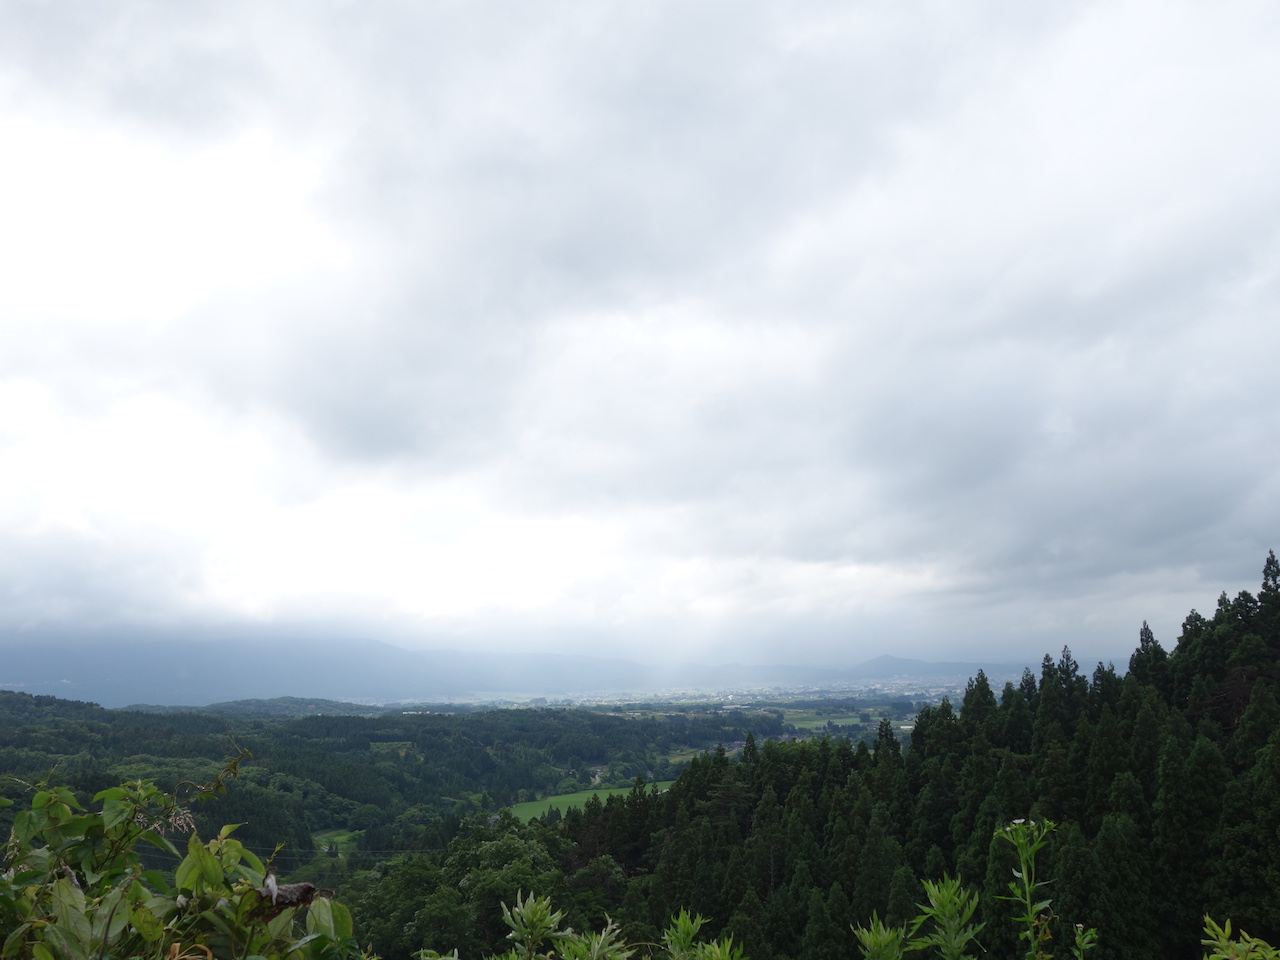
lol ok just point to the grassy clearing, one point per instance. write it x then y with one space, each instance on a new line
536 808
810 724
812 720
684 753
343 840
808 720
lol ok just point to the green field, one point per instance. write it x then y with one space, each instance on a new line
815 720
344 841
536 808
809 720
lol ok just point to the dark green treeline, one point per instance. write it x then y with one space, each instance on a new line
1165 783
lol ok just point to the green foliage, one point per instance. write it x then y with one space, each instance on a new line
881 942
1029 838
949 910
538 932
1243 948
73 885
402 782
1086 939
533 923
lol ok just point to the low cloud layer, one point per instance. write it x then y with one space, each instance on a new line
710 332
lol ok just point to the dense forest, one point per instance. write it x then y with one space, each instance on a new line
1164 784
1163 781
394 782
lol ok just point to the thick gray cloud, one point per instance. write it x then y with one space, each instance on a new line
662 331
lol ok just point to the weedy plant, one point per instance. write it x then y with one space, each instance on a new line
537 934
947 914
73 886
1029 838
950 908
1243 948
881 942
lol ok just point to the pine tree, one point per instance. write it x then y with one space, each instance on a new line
903 890
1128 798
1126 913
978 708
746 929
1106 759
977 780
1144 743
1017 721
1104 688
1074 868
880 858
935 864
1269 605
841 914
1238 885
1149 663
821 939
1186 814
1261 718
1057 785
766 847
1266 804
1000 937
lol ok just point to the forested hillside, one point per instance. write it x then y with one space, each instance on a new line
1164 783
388 783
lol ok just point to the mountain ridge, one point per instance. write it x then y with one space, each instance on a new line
151 673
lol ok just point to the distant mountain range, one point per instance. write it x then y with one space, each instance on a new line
119 673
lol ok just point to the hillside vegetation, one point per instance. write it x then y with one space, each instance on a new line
1163 783
400 782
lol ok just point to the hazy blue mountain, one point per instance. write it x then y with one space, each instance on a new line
120 673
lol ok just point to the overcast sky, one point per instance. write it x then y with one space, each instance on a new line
765 332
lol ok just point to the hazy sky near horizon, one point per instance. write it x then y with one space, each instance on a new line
768 332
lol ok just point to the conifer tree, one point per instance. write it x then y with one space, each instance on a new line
766 847
1128 798
1261 718
1269 605
978 708
1073 864
903 891
1126 914
880 858
1016 726
1057 785
1238 885
1144 743
1266 804
1106 759
1187 812
823 939
1149 663
745 927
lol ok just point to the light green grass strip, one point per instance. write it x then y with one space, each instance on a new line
536 808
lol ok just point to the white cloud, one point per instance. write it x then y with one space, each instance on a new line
668 330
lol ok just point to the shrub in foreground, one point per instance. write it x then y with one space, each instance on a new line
74 886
